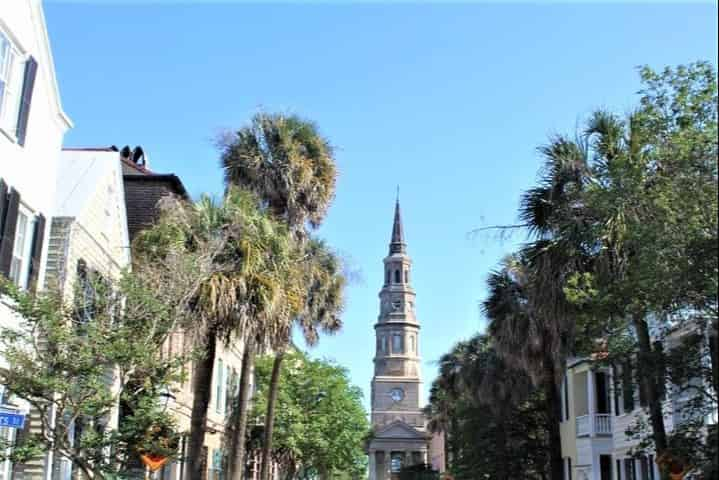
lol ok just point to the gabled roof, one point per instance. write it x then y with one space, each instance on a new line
397 430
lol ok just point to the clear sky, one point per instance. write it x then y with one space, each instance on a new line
449 101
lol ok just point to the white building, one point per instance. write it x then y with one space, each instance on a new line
32 127
599 404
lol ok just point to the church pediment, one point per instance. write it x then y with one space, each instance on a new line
398 429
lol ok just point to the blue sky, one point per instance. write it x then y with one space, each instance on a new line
450 101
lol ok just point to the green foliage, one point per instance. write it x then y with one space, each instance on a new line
77 361
320 424
493 419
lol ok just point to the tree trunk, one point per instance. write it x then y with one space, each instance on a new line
503 460
553 408
647 382
202 384
714 353
237 461
270 417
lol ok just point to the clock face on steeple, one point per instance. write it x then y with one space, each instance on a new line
397 394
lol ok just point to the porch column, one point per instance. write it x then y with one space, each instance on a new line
372 465
591 400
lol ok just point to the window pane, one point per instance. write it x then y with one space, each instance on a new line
20 232
396 343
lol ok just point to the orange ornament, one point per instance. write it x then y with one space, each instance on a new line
153 462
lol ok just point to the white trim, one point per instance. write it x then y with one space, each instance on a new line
38 15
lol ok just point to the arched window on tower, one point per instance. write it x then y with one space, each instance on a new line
383 344
406 275
386 277
397 278
412 345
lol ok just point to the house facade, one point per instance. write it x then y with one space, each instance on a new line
600 404
32 127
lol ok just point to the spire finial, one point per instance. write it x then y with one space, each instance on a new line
397 244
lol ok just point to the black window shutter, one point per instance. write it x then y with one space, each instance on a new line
628 387
28 85
566 397
616 384
37 241
8 235
3 204
619 469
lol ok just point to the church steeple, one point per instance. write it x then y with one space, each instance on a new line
397 244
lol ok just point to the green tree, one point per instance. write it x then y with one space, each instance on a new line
63 359
320 423
492 417
290 166
653 204
231 260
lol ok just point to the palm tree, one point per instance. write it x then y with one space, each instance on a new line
233 254
474 372
532 321
321 274
290 166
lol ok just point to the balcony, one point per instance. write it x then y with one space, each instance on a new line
599 424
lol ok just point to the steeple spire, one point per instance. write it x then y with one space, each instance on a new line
397 244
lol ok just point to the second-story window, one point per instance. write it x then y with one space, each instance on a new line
21 250
17 80
10 78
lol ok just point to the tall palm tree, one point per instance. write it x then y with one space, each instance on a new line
473 372
290 166
532 321
232 254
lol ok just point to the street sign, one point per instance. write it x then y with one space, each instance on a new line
11 420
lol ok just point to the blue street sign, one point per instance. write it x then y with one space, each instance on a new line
12 420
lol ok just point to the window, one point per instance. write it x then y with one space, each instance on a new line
412 346
10 84
386 277
627 387
406 275
565 398
383 344
21 250
216 470
7 437
397 278
645 468
231 389
629 473
605 467
220 387
396 461
397 343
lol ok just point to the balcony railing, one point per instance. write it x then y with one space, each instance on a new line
591 425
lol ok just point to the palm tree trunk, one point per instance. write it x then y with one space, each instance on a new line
501 439
202 384
270 417
553 409
237 461
714 352
648 383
